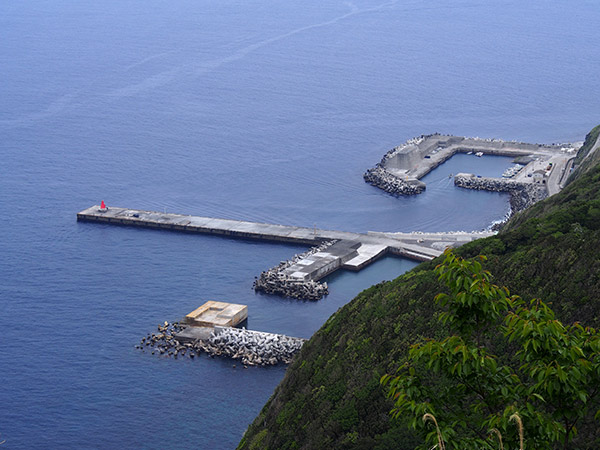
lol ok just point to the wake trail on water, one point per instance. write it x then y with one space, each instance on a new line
209 66
165 77
158 80
147 59
53 109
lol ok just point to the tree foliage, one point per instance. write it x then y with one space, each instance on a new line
550 251
549 373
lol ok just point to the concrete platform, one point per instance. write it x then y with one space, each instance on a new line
320 264
212 314
366 254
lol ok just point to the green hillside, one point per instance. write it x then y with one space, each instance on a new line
330 396
582 163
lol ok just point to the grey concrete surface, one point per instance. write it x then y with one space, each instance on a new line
352 251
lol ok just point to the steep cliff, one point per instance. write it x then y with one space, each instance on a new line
330 396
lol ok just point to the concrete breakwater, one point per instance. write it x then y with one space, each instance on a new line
366 253
254 348
409 145
381 178
471 181
300 278
278 281
400 169
522 195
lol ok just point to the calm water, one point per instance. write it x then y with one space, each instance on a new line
260 110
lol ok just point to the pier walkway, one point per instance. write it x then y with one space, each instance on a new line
351 251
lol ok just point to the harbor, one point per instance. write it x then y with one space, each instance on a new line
258 112
400 170
300 276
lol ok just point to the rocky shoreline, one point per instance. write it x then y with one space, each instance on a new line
252 348
524 198
276 281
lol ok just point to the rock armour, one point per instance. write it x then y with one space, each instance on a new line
522 195
253 348
277 281
381 178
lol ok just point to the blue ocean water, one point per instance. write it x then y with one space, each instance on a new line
261 110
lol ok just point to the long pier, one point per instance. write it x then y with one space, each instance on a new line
349 250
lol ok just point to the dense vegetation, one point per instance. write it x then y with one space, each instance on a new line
548 381
330 396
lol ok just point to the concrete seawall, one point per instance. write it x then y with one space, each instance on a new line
251 230
203 225
301 275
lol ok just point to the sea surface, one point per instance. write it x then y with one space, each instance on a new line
260 110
